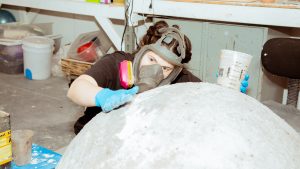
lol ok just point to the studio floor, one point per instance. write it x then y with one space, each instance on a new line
42 106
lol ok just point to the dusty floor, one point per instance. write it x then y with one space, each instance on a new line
41 106
287 112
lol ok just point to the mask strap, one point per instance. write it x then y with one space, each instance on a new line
173 33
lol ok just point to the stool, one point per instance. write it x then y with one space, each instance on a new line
281 57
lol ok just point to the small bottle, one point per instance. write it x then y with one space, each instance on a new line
5 141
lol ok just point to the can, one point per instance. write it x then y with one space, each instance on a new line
5 141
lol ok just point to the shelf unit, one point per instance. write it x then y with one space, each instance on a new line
101 12
285 14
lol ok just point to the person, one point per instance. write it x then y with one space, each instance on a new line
158 61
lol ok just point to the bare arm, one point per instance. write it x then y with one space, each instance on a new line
83 91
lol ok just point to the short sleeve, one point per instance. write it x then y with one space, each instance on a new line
104 70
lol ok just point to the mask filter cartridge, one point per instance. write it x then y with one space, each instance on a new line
126 74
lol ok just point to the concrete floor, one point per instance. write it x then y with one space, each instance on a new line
41 106
287 112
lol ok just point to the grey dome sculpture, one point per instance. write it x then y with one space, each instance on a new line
186 126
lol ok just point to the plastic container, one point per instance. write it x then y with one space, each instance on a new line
57 41
37 51
89 47
5 141
232 69
20 31
21 146
11 56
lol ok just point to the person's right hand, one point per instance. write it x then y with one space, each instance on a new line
110 99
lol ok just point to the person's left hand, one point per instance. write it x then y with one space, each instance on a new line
244 84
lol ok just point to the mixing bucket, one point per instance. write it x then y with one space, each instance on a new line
232 69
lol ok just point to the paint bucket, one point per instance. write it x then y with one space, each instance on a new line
21 146
232 68
37 51
5 141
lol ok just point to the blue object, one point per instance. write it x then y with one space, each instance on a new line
6 17
42 158
244 84
110 99
28 74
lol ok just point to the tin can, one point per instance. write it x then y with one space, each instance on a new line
5 141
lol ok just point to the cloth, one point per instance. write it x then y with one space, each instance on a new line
42 158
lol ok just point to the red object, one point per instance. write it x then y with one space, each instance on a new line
84 47
87 52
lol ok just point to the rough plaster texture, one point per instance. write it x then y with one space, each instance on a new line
186 126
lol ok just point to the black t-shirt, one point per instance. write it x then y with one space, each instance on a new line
106 74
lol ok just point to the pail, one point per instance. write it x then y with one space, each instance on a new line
37 52
232 69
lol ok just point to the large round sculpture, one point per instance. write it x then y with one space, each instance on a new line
186 126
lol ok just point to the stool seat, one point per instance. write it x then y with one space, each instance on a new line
281 56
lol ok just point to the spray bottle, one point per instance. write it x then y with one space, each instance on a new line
5 141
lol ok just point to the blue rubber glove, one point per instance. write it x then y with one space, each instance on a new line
110 99
244 84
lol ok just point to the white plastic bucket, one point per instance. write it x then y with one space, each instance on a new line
232 69
37 52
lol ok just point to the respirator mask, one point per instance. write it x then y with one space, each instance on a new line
151 76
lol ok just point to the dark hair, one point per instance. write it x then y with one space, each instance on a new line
153 35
